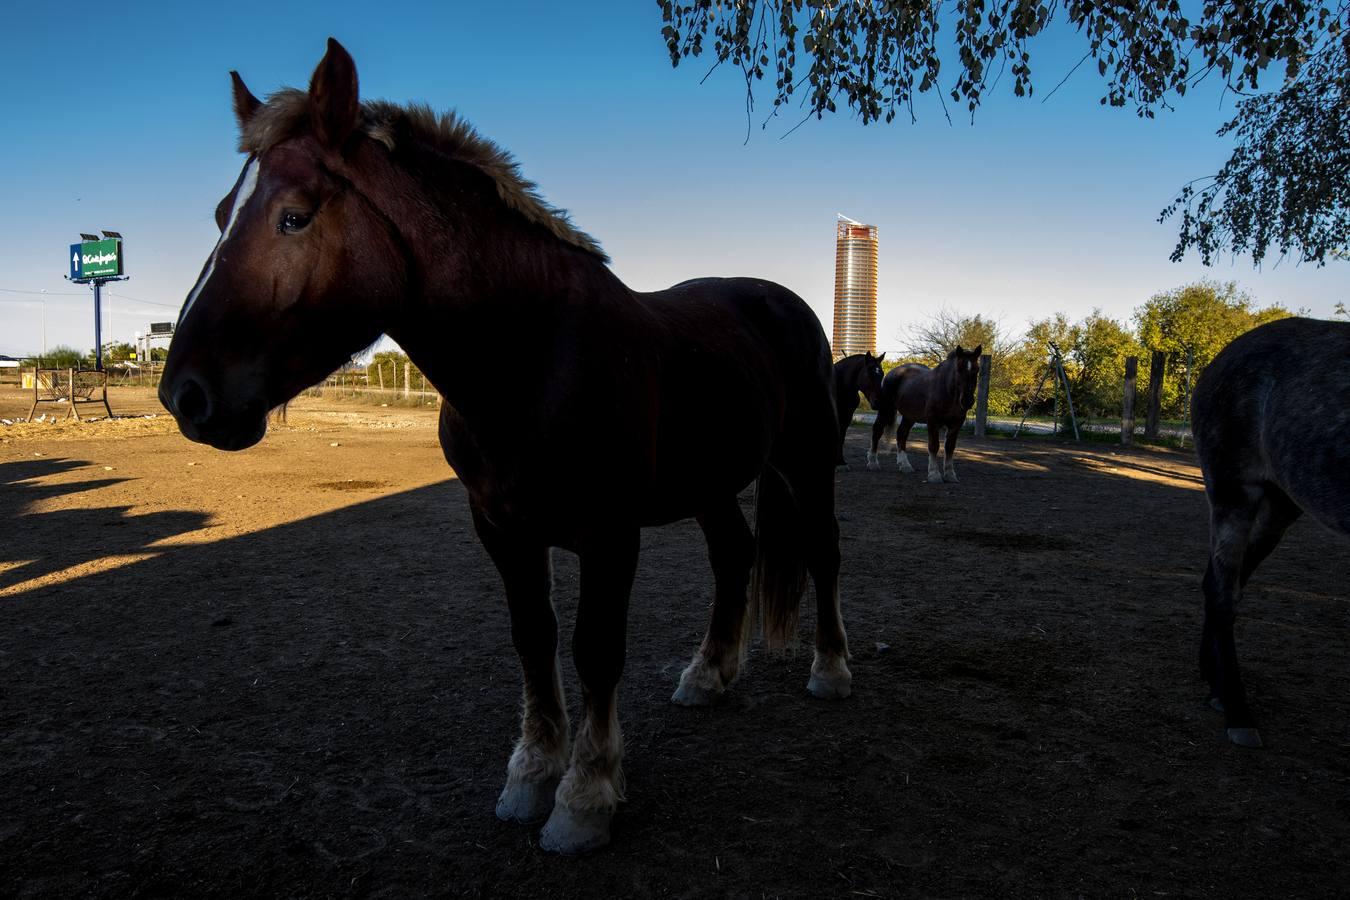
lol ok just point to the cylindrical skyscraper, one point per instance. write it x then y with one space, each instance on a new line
855 288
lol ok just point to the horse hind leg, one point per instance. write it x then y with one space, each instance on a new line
1273 516
540 755
1233 512
812 489
830 675
901 438
731 550
1275 512
592 787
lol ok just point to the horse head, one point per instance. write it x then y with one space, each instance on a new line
967 372
305 270
870 381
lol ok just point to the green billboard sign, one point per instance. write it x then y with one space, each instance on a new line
96 259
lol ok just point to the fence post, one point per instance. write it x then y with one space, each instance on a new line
70 395
1155 383
407 380
379 370
982 396
35 394
1186 400
1127 404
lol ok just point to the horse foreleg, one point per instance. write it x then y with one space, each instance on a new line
540 755
948 470
1231 517
934 461
731 550
901 438
592 787
847 407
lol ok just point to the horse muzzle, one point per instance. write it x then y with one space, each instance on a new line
203 418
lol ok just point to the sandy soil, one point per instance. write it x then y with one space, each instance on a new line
288 672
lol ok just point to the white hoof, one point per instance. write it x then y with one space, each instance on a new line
935 477
693 695
700 684
830 679
1245 737
872 461
902 461
949 476
574 832
526 802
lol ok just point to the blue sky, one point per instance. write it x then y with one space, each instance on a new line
119 118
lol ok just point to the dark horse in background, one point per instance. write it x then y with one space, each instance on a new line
854 375
354 219
939 398
1271 420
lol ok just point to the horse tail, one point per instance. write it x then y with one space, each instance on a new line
779 575
887 420
883 425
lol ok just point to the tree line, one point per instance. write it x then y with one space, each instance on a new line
63 356
1189 325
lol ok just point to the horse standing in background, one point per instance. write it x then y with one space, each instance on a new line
350 220
1271 419
939 398
859 373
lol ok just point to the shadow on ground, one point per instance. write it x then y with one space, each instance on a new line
326 707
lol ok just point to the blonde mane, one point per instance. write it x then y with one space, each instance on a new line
286 114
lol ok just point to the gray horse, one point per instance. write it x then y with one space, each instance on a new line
1272 429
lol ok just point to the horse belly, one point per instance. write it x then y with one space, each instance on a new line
701 464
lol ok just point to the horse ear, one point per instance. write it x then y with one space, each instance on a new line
881 356
335 106
245 104
979 348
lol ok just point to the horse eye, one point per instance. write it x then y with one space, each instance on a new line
292 222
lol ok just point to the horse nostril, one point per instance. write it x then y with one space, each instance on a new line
191 401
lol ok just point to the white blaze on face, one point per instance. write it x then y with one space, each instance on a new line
246 187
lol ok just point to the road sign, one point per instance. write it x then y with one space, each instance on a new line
161 328
96 259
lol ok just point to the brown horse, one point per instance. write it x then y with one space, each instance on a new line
353 219
859 373
939 398
1271 419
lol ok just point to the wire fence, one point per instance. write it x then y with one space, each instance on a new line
402 385
369 385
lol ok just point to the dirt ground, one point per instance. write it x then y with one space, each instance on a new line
288 671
